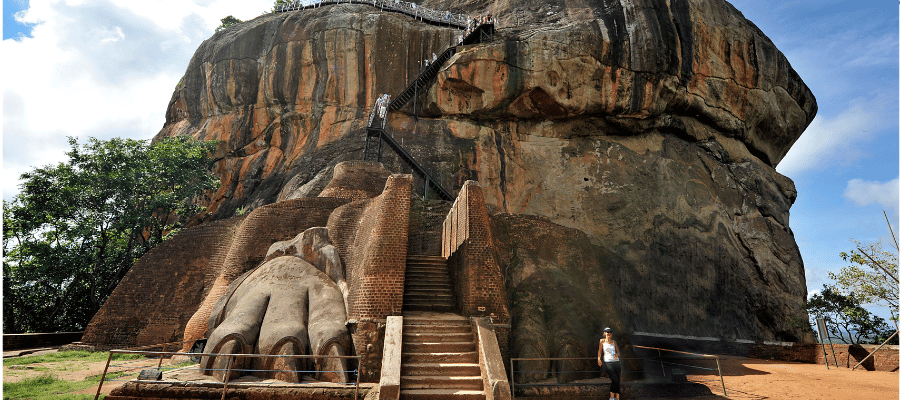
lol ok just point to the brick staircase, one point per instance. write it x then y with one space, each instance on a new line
440 359
427 286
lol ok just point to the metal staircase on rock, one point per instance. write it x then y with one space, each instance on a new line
440 359
375 134
427 286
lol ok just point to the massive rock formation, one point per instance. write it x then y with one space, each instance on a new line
626 149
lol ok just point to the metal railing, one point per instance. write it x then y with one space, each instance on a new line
411 9
129 370
663 361
512 371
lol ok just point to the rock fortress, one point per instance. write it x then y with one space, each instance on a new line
538 170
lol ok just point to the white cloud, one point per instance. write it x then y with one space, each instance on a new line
837 140
101 68
812 293
864 193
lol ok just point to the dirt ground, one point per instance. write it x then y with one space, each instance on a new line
74 371
753 379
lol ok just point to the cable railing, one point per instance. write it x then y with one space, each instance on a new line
192 372
672 361
411 9
682 357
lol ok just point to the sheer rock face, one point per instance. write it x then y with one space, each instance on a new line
649 127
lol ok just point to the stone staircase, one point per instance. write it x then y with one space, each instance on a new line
427 286
439 358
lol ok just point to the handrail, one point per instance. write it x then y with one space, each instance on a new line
411 9
411 162
229 366
660 350
513 371
676 351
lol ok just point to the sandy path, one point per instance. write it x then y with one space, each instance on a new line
753 379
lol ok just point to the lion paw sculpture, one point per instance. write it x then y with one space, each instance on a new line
292 304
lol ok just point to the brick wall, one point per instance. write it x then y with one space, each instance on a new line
371 237
356 180
158 295
885 359
468 245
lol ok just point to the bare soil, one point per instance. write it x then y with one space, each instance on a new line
754 379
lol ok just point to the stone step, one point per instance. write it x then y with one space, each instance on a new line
424 301
445 319
456 358
458 369
428 306
432 337
427 285
422 273
442 394
438 347
425 258
436 294
441 382
418 270
428 278
415 329
426 264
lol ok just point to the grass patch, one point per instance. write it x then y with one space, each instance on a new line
48 387
74 355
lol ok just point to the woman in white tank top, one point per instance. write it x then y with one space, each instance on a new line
608 360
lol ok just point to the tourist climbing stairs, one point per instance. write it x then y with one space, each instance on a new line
439 358
427 286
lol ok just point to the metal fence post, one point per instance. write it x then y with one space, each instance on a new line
661 366
719 367
102 378
227 375
512 377
358 360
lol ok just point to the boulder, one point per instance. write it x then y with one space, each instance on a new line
644 132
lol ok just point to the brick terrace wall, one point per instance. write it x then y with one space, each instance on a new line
158 295
371 238
471 256
263 227
885 359
356 180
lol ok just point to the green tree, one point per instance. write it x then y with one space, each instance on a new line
846 318
871 275
228 21
76 227
278 3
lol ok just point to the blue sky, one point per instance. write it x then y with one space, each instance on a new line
107 68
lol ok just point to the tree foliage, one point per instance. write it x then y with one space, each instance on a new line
867 276
228 21
76 227
845 317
